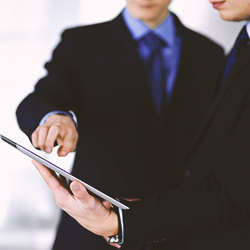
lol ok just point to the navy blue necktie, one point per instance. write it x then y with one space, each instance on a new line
239 46
155 70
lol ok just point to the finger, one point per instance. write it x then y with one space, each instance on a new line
49 177
51 138
34 138
79 191
62 151
43 131
68 145
107 204
61 193
134 199
45 172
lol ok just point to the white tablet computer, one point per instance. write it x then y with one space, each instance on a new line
62 172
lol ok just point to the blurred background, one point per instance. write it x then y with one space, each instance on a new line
29 31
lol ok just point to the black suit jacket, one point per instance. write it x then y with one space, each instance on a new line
211 209
123 149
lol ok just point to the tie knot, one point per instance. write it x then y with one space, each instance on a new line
243 38
153 41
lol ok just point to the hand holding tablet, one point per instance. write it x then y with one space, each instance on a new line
62 172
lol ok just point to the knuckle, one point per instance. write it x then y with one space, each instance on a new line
70 132
35 133
43 129
55 127
70 144
53 118
90 204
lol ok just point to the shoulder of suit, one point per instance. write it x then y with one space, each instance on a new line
195 37
96 28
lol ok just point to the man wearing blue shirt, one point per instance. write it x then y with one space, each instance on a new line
137 86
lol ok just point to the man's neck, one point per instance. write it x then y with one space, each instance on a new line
152 23
156 22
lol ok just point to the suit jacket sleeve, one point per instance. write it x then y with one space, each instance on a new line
56 90
220 197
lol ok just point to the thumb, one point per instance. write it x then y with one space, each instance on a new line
62 151
79 191
107 204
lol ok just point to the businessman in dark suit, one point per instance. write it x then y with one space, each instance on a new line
126 122
212 208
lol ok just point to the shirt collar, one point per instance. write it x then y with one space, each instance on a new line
165 30
248 28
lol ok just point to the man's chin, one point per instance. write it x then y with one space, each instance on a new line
231 17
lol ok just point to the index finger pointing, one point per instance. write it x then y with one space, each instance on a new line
53 134
68 145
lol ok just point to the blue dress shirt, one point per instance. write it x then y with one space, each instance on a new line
248 28
166 30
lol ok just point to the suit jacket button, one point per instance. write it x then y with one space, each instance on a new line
187 173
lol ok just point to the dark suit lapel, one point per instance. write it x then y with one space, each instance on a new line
180 89
130 66
239 65
182 86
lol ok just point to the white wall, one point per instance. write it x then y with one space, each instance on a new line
29 31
